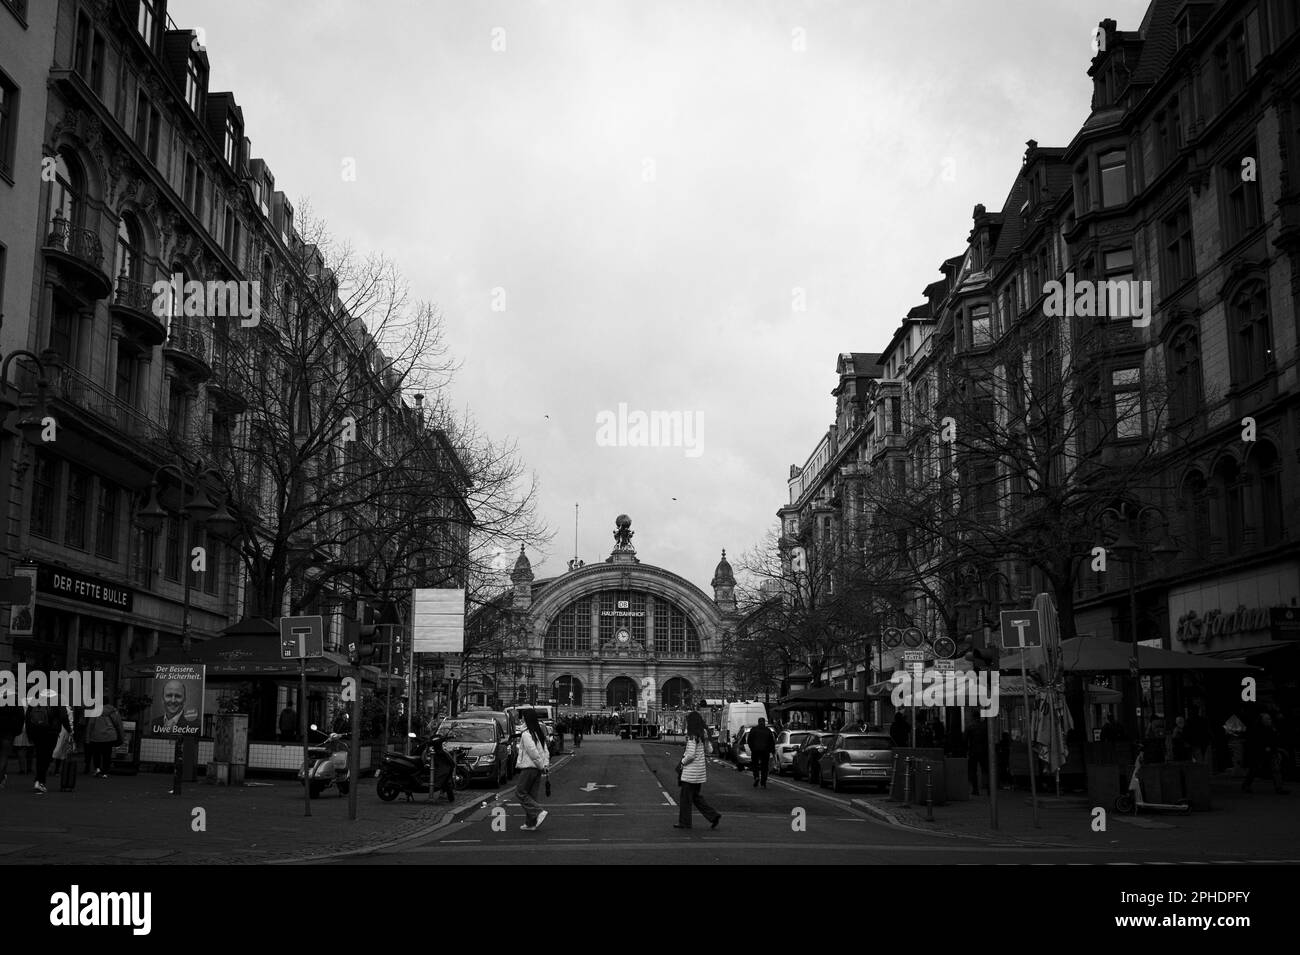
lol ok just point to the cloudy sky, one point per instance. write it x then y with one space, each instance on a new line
669 205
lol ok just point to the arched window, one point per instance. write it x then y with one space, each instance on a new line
1252 335
568 691
1228 518
1195 506
1185 374
569 631
68 192
128 262
622 691
677 694
1264 467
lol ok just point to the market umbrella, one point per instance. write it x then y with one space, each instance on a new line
1052 720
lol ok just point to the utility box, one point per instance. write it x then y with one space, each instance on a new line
229 750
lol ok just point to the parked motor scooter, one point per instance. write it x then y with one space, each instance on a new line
1133 802
400 774
328 761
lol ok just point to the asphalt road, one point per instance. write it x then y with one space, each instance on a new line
614 802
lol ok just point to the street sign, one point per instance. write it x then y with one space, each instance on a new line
913 637
945 664
1021 629
892 636
913 656
439 620
944 648
302 638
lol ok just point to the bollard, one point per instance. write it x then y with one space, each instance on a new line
907 781
929 792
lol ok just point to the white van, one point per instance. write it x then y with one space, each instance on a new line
734 717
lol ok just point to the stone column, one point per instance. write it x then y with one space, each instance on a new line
115 335
650 624
73 642
594 636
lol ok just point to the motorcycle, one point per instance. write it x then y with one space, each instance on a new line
328 766
400 774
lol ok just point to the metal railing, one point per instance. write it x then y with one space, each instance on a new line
76 388
133 294
77 241
187 337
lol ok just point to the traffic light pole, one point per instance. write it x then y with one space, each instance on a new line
354 749
306 743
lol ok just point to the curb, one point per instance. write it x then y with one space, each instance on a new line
884 815
448 817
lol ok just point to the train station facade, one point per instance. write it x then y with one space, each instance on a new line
611 635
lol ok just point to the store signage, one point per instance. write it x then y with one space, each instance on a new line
1286 623
80 587
1193 628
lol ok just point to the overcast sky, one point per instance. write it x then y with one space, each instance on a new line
628 202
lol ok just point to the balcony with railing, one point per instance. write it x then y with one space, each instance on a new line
224 385
187 347
76 248
121 417
134 303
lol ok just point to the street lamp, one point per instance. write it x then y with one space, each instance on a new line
198 510
1129 549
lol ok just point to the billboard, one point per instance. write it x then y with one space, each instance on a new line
438 624
177 700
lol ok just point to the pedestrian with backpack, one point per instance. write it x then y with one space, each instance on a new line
103 735
46 720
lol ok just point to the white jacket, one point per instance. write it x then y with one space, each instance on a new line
532 756
693 761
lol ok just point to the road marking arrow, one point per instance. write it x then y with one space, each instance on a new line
592 787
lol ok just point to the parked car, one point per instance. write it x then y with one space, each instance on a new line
787 744
504 722
810 750
854 758
488 748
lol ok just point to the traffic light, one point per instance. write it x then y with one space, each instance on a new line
360 638
980 649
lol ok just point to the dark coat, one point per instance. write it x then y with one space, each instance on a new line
11 722
43 724
761 741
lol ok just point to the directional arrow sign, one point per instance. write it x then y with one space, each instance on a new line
592 787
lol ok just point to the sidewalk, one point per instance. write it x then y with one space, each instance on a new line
1262 825
128 820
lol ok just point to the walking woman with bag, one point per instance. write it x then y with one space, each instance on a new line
534 760
692 773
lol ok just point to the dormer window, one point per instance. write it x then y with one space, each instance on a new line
193 83
1114 179
232 142
146 17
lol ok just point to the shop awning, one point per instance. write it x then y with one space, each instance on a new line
1098 655
249 649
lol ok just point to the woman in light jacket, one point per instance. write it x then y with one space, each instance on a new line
534 760
694 775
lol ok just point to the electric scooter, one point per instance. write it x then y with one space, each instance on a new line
1133 802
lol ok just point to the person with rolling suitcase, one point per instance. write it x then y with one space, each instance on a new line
65 753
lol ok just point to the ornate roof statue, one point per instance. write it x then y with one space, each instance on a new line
623 536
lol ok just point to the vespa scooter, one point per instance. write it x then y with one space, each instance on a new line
327 766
